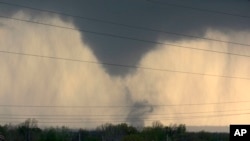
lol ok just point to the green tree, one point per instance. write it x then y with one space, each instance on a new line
132 137
29 129
156 132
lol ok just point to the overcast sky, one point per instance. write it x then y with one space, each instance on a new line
183 51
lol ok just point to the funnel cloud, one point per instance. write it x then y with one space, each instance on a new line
170 84
151 20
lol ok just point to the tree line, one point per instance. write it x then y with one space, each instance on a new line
29 131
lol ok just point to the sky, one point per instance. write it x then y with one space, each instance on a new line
85 63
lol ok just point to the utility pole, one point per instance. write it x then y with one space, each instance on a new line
79 136
167 138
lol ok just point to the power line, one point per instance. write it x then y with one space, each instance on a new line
138 119
124 37
120 65
207 116
120 24
119 115
123 66
122 106
197 9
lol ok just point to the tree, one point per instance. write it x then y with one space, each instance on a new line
133 137
125 129
181 129
156 132
175 131
28 128
157 124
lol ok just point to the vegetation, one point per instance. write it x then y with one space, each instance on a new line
29 131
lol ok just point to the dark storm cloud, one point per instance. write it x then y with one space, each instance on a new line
141 13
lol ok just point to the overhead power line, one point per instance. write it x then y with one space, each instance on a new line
121 106
121 115
123 66
133 119
122 118
125 37
197 9
120 24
